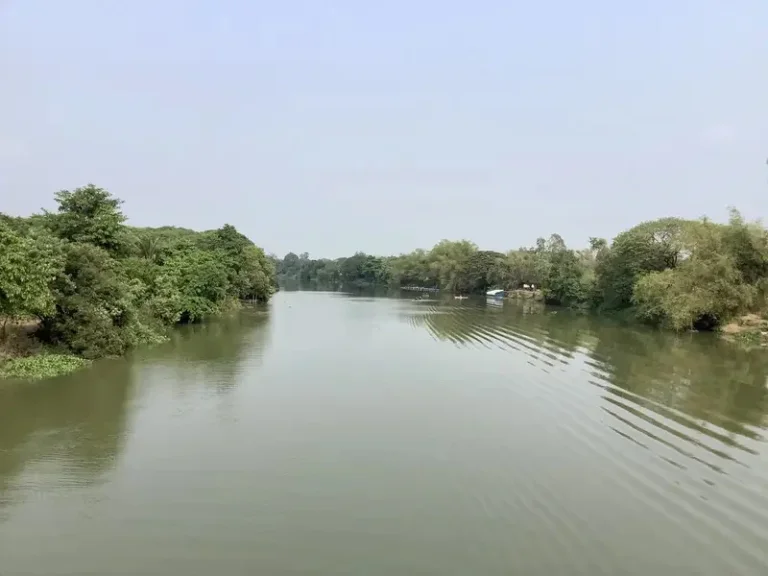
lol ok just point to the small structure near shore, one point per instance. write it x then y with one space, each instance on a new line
537 295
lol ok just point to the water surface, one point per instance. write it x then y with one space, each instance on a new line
331 434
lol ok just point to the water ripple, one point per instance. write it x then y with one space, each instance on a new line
694 406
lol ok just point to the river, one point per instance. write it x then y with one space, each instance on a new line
331 434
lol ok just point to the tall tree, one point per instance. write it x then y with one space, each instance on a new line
89 215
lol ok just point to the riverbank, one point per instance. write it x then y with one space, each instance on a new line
101 288
750 330
24 357
536 295
673 273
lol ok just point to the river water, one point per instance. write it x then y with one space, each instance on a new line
328 434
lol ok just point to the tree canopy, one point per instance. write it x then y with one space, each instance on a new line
98 286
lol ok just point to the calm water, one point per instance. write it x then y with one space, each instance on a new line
336 435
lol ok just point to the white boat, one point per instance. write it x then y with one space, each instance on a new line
498 294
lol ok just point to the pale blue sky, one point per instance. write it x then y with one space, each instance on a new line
339 125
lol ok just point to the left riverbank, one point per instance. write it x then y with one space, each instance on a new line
24 357
79 283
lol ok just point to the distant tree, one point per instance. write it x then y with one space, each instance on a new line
449 261
483 270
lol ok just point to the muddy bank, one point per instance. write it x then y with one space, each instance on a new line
529 294
750 330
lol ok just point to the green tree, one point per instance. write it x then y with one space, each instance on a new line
200 281
521 267
484 270
89 215
256 275
648 247
149 247
564 278
28 266
704 290
96 304
449 261
748 244
100 287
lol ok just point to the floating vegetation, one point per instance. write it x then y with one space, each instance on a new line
41 367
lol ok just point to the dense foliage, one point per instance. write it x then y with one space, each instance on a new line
98 287
677 273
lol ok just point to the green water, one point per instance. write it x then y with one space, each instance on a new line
335 435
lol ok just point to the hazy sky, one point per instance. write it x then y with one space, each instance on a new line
341 125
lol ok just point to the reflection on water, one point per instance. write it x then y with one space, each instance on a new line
350 434
68 431
214 354
694 373
685 378
697 404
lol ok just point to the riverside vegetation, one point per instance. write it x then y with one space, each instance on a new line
675 273
79 283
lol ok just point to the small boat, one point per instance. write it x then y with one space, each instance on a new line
496 294
460 297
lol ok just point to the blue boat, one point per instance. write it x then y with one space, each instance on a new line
495 294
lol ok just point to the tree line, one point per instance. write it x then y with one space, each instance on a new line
676 273
94 286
